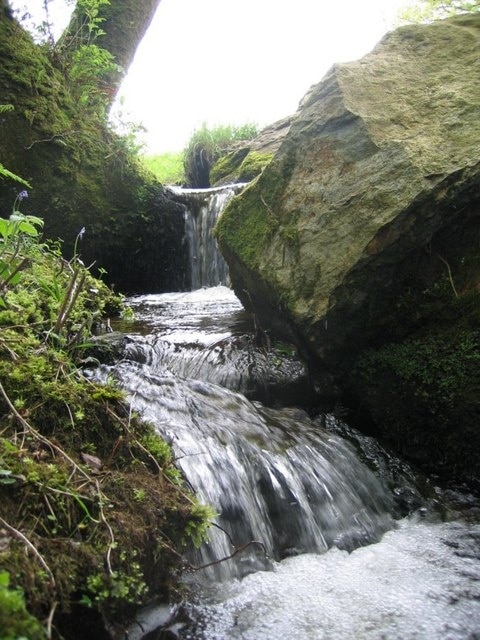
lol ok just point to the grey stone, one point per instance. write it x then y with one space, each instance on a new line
383 154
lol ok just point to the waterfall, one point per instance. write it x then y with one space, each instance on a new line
327 535
276 479
203 208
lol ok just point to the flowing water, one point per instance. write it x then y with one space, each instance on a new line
203 206
321 533
331 536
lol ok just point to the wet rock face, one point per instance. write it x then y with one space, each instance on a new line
382 156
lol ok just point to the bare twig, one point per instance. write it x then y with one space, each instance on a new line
217 526
232 555
106 523
18 534
38 436
237 550
57 136
50 620
69 299
450 277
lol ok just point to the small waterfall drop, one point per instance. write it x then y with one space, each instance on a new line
273 476
203 208
352 547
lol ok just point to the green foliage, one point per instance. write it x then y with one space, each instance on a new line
206 145
120 588
435 369
166 167
197 527
90 64
427 10
220 137
16 623
91 20
38 289
5 173
84 63
51 417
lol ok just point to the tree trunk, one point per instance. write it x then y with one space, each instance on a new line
125 23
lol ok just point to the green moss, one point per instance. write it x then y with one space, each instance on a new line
440 369
81 173
226 168
421 383
241 165
253 165
95 545
245 228
249 220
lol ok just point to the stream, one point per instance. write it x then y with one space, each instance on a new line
354 543
328 535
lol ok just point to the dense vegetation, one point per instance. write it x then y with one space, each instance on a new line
93 516
211 154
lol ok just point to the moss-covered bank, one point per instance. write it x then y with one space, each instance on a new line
82 174
93 514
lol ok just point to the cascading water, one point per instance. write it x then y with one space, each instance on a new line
309 543
203 207
344 545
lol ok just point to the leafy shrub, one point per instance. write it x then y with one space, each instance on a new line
427 10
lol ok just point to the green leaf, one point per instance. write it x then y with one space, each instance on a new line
5 477
4 228
29 229
5 173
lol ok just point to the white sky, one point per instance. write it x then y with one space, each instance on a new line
231 62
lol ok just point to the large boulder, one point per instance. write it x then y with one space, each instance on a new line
372 195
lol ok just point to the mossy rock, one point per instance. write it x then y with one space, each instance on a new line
82 174
423 395
242 165
226 167
419 386
254 163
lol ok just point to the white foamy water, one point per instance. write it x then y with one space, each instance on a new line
297 485
421 581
